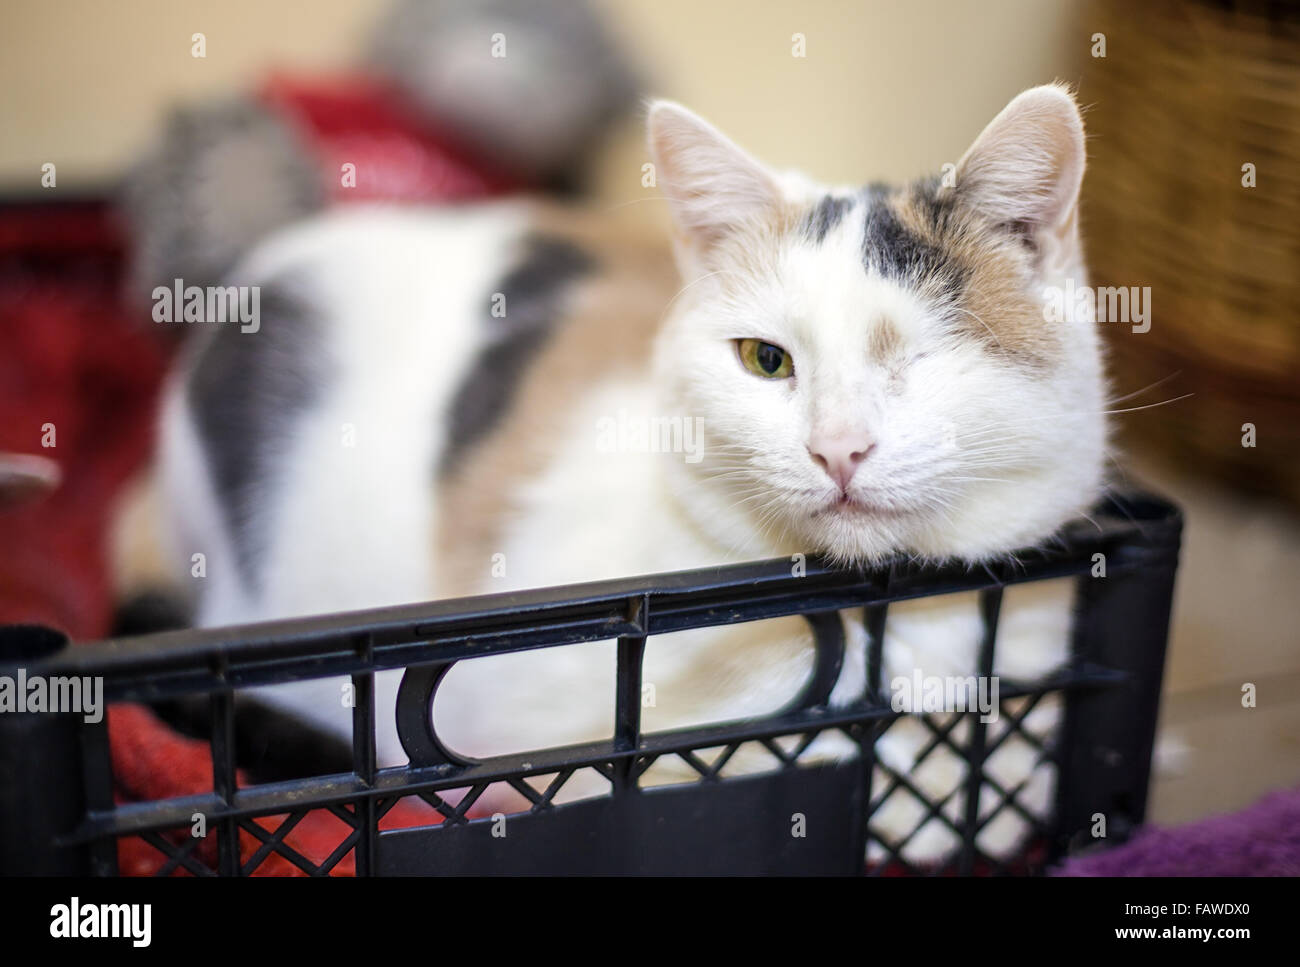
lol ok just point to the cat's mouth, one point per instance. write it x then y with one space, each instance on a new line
847 505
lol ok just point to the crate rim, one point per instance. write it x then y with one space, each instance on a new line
197 660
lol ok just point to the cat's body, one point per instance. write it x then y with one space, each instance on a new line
477 400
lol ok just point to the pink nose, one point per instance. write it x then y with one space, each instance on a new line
840 456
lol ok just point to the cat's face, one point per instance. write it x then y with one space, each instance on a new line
873 368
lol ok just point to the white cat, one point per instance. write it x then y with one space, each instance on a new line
453 402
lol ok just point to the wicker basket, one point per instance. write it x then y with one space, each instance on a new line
1186 95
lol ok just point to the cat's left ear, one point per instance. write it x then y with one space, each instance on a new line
713 187
1025 169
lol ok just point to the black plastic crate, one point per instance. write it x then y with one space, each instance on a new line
57 810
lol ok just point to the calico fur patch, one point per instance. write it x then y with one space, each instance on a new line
921 236
609 315
530 294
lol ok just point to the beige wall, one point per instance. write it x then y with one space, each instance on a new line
887 89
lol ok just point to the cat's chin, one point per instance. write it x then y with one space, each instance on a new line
856 530
859 534
856 537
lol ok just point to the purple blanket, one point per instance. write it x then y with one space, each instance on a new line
1263 840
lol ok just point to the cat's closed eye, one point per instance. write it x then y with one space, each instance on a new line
764 359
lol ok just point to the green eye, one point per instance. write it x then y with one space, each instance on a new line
764 359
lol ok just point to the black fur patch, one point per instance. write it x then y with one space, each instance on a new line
938 206
532 291
824 216
270 744
148 612
898 253
245 393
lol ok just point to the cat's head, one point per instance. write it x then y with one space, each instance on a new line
874 368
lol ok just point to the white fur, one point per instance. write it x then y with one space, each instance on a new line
354 524
404 294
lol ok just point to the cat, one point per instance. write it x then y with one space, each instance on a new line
461 401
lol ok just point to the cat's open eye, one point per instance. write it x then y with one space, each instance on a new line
764 359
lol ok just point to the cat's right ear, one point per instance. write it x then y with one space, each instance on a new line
713 187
